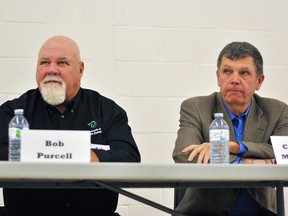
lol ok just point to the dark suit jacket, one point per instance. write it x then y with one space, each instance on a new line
266 117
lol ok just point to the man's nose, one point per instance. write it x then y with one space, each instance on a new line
53 68
235 78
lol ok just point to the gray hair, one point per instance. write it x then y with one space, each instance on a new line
238 50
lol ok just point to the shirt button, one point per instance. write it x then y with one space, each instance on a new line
62 116
72 110
67 204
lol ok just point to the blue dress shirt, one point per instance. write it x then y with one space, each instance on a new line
238 125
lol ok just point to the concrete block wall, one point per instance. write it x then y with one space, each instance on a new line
147 55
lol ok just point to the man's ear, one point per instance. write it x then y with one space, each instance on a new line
217 75
260 80
81 69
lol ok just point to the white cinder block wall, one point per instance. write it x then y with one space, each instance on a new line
147 55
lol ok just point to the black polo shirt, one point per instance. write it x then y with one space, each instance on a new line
89 110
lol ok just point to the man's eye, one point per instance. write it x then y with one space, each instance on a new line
244 73
63 63
226 71
44 62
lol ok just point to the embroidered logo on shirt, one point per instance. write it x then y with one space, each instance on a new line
93 124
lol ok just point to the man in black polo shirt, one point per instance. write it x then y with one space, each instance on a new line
60 103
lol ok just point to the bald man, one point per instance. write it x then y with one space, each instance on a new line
60 103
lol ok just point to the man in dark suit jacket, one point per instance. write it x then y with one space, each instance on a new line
239 75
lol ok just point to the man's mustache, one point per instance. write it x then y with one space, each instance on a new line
52 79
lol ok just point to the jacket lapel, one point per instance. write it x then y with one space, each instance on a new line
255 125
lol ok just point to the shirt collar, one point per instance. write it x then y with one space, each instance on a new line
232 116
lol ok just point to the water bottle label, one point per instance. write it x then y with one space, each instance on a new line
14 133
222 135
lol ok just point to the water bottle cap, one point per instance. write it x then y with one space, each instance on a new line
216 115
18 111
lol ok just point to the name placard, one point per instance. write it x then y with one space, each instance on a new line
280 147
55 146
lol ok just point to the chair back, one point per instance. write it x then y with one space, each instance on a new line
178 195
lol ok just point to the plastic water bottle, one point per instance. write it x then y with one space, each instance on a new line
219 140
16 125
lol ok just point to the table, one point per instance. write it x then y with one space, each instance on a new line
116 176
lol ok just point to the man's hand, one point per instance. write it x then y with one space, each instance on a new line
94 157
258 161
202 150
